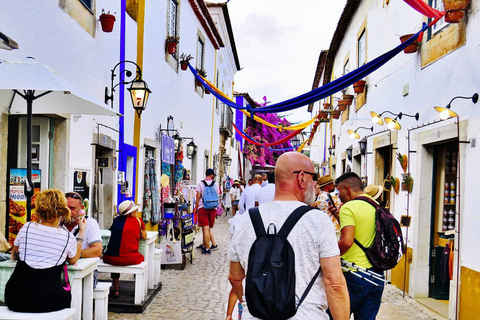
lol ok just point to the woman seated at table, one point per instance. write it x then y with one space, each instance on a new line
41 249
122 249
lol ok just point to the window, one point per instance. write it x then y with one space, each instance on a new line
87 3
346 67
361 46
200 53
436 4
172 20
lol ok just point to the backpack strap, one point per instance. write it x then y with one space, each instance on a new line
375 205
206 185
293 219
257 222
310 285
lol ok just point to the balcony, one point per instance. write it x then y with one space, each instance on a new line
226 127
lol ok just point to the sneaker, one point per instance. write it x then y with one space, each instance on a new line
213 248
200 247
205 251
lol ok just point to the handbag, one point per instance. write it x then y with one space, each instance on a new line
67 283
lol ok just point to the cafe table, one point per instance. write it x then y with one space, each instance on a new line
81 282
146 248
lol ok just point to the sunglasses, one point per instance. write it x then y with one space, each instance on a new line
314 175
73 195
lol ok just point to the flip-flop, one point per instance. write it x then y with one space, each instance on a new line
116 293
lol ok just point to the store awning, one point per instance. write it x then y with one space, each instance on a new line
64 98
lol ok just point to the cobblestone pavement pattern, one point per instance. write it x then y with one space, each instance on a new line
201 291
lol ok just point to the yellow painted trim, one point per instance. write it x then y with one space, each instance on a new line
213 113
469 292
137 124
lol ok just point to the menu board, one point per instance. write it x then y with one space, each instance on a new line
17 203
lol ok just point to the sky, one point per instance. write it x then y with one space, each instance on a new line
278 44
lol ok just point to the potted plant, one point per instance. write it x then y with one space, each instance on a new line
184 60
455 10
107 20
336 114
171 44
412 48
359 86
203 73
348 98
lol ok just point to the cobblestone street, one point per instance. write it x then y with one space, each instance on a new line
201 290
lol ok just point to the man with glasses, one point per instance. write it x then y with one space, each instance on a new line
312 238
357 221
92 243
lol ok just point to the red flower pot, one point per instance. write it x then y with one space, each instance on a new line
335 114
342 105
184 65
455 10
359 86
348 98
172 47
412 48
107 21
199 84
207 91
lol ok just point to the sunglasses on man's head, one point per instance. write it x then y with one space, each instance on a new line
73 195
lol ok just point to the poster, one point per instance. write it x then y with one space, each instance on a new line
81 185
17 203
168 150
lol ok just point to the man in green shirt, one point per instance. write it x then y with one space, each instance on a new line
357 221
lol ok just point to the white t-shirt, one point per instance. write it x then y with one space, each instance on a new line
247 199
235 192
92 233
312 238
266 194
45 245
201 187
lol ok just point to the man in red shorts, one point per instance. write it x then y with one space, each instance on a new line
206 218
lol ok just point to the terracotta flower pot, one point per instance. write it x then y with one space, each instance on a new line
184 65
326 106
348 98
172 47
207 91
317 122
342 105
335 114
199 84
455 10
359 86
412 48
107 21
323 115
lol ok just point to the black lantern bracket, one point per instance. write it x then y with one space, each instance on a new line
139 90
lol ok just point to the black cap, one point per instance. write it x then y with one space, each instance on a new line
209 172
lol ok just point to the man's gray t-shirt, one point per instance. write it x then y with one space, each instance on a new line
312 238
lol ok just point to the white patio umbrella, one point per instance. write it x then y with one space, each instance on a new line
25 81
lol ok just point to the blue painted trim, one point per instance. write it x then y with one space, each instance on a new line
122 158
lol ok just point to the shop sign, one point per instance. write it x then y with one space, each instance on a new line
81 185
17 203
168 150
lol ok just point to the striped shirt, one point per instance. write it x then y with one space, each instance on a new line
45 245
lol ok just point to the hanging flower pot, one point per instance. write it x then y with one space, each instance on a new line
455 10
184 65
335 114
317 122
359 86
207 91
342 105
323 115
171 47
412 48
107 20
348 98
326 105
199 84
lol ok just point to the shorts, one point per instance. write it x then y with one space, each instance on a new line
235 202
206 217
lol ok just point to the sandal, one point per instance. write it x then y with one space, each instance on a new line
116 293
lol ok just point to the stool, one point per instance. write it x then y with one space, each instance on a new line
100 296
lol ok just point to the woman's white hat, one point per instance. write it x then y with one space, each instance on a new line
374 191
127 207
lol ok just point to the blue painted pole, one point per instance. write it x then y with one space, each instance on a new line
122 165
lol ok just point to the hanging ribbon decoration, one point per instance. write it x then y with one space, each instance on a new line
217 91
253 141
425 9
323 91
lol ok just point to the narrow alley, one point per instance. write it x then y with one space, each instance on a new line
201 291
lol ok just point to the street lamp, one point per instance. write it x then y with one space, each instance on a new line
295 141
350 153
362 144
191 149
331 151
178 142
446 113
139 91
227 161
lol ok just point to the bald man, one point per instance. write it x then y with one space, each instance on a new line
313 240
247 199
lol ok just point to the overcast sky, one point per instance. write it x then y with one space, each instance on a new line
278 44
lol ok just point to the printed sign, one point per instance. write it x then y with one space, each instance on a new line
81 185
168 150
17 203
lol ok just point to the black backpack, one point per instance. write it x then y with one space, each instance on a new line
270 284
387 247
